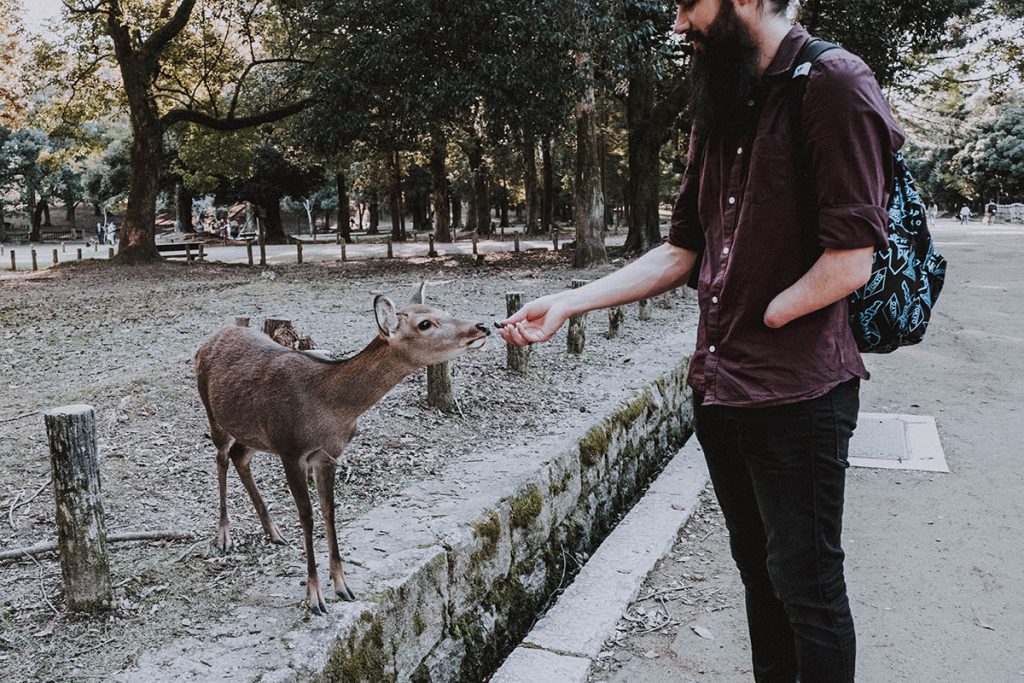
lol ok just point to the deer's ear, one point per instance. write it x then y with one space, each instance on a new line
387 318
420 295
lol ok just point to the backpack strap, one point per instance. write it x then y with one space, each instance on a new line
807 197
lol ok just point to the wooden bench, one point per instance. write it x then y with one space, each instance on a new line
179 249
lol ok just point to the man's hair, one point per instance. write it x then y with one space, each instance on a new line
776 6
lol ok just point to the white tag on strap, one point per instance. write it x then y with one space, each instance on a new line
802 70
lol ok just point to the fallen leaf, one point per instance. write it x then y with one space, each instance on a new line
48 631
982 624
702 632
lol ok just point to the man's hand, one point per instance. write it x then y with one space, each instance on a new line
835 275
537 321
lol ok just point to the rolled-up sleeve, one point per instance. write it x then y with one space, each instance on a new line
685 229
851 138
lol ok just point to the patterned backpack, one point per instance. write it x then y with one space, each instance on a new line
893 308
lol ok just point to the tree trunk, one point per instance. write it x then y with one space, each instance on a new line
273 230
374 228
395 199
439 176
36 218
137 241
547 206
589 200
456 213
46 214
530 183
183 197
69 213
344 212
648 124
479 218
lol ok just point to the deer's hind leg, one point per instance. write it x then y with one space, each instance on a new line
241 456
323 473
223 526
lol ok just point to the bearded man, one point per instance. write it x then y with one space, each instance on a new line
776 372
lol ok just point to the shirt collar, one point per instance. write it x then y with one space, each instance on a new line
788 50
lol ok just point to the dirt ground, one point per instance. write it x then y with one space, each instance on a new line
121 339
933 560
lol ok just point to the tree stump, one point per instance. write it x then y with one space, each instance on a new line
35 266
616 316
391 248
432 252
55 259
242 320
263 249
298 252
81 531
344 256
14 261
281 331
439 388
577 337
202 252
516 248
248 250
645 309
518 356
79 254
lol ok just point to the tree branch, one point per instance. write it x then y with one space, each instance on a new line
163 35
231 123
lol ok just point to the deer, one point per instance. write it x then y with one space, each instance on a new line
303 407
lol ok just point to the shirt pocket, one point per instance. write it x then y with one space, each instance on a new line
771 176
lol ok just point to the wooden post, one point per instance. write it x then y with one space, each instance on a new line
554 237
35 266
616 315
110 253
344 255
14 261
645 309
439 388
270 325
78 254
55 259
263 250
63 248
431 252
95 247
242 320
518 357
298 252
577 337
517 243
391 249
81 531
202 252
188 253
474 244
248 251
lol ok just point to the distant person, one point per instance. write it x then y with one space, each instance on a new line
965 214
111 233
990 212
933 211
100 233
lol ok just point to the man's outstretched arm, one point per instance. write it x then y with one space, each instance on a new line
657 271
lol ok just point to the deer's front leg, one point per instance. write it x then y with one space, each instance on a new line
294 470
323 472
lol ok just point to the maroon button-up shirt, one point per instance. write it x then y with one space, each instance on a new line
739 203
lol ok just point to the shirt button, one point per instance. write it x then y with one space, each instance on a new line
739 151
714 299
732 200
725 250
750 103
711 348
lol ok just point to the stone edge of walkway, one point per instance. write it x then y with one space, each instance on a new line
572 633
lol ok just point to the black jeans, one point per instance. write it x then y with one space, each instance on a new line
779 476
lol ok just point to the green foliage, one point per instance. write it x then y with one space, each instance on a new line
991 164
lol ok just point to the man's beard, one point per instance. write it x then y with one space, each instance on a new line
724 73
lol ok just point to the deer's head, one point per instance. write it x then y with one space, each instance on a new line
424 335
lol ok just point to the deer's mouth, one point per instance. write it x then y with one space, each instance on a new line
477 343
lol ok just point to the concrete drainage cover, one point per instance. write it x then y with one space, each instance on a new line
903 442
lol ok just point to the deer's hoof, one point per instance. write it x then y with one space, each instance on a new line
224 544
317 604
279 541
345 593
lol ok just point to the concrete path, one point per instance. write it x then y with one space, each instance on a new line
933 559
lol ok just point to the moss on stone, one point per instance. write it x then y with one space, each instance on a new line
363 658
419 624
526 507
488 530
593 446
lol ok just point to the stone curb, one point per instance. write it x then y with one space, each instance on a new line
564 643
453 570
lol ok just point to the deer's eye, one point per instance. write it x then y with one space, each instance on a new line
425 325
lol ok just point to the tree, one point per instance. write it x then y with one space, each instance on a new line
170 75
991 164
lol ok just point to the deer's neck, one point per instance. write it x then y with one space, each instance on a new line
361 381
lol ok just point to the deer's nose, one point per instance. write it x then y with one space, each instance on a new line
483 328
